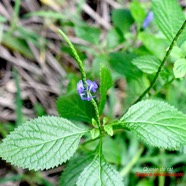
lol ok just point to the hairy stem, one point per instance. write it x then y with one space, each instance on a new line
163 62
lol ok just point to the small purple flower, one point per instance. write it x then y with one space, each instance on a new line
148 19
85 93
80 87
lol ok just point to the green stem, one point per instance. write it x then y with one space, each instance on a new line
76 56
126 169
97 112
100 147
161 179
163 62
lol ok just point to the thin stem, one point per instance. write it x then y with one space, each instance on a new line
100 147
97 111
161 179
163 62
126 169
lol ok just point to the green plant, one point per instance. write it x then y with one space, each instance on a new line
49 141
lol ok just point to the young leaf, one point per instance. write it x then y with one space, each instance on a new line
74 168
99 173
94 123
105 120
94 133
108 129
148 64
157 123
42 143
180 68
106 83
72 107
168 16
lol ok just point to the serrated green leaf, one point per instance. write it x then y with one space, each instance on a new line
99 173
42 143
95 133
148 63
157 123
108 129
105 84
72 107
73 170
168 16
179 68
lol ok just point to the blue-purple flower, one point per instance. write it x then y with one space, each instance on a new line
148 19
85 92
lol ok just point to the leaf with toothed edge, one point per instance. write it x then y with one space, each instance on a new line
42 143
168 16
157 123
148 63
99 173
82 110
